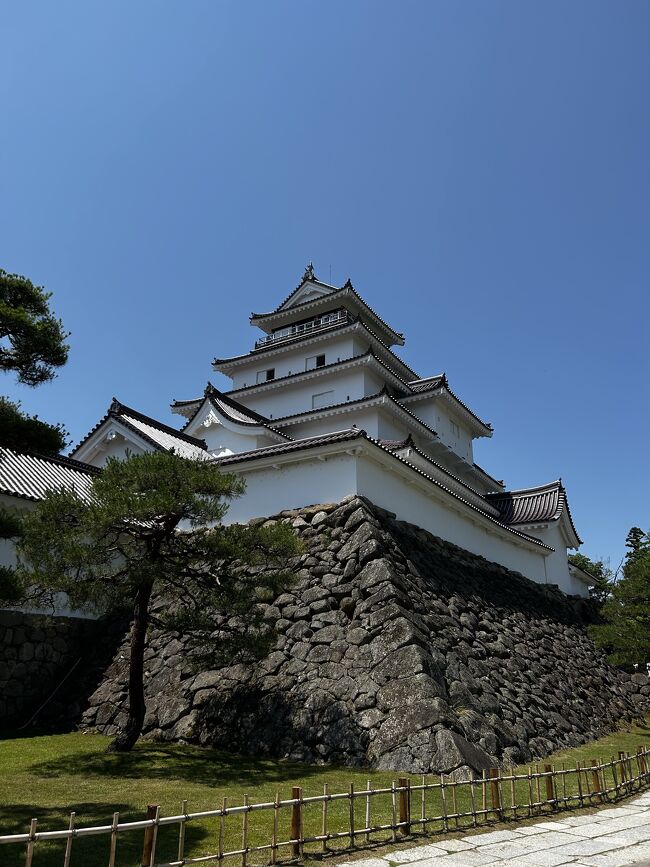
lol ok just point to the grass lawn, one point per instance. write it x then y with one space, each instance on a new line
48 776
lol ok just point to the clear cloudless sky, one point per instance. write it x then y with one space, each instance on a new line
479 169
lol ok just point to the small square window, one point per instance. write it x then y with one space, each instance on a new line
265 375
325 398
454 428
314 361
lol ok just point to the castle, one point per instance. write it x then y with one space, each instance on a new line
322 408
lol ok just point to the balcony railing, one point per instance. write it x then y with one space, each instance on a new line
327 320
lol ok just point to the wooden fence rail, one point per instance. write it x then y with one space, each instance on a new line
358 816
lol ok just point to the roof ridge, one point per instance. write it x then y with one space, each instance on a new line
118 408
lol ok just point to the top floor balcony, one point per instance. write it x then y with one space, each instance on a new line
302 329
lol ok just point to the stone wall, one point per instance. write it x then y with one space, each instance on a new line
35 654
395 649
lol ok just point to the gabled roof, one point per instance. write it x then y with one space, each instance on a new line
439 384
540 505
156 434
29 477
331 292
232 410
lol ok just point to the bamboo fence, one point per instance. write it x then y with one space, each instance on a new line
355 818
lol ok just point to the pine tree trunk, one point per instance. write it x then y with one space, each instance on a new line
130 731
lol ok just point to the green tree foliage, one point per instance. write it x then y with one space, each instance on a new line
27 433
32 339
10 584
152 531
625 632
601 573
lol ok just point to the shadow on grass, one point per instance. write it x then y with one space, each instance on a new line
87 851
176 762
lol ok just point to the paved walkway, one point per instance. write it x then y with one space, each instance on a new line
611 837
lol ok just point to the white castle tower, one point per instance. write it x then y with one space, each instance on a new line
322 408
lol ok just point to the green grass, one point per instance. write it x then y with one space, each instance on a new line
48 776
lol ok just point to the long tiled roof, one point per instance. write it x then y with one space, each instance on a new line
355 434
307 373
31 476
157 434
335 291
234 410
538 505
221 362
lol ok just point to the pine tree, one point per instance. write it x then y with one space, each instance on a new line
625 632
152 529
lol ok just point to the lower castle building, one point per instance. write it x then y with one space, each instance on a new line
323 408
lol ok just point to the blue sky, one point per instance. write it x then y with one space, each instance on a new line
479 169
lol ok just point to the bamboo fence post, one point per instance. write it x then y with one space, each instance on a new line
404 806
154 838
549 770
181 833
644 765
628 759
393 799
367 817
324 818
114 824
222 830
615 776
244 833
595 779
147 845
484 787
443 796
274 838
351 797
513 794
564 797
30 843
621 764
296 810
68 842
424 801
495 793
538 787
529 780
454 802
580 795
472 798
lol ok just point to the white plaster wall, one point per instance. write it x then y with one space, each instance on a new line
296 397
292 486
292 360
364 419
419 506
435 413
116 448
557 563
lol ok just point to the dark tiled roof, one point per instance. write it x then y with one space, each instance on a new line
354 434
346 288
291 376
294 446
156 433
435 383
533 505
31 476
220 362
498 483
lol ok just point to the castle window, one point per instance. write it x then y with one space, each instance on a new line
454 428
314 361
324 398
266 375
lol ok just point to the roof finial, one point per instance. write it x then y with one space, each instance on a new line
115 406
309 272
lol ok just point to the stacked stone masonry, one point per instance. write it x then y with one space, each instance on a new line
36 653
395 649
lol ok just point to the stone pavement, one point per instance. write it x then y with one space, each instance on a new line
611 837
